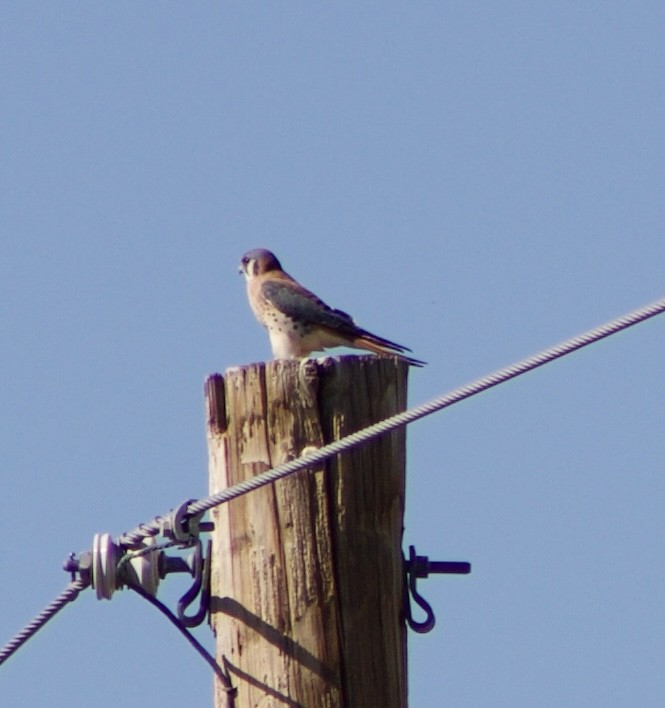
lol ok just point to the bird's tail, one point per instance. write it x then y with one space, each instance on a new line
379 345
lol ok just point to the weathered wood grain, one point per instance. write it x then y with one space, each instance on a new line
307 572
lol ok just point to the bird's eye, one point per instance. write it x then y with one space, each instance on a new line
249 266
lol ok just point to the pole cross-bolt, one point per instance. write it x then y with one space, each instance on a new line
420 567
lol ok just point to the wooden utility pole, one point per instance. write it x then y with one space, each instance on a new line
307 577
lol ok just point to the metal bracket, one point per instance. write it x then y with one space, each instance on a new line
420 567
198 566
200 587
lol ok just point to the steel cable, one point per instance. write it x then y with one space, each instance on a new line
313 458
69 594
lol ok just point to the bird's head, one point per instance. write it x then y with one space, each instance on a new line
257 262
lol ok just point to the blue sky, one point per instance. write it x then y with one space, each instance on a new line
475 180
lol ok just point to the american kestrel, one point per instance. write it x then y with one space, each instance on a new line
297 321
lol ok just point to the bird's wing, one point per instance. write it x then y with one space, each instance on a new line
296 302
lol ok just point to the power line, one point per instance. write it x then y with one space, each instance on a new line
154 527
311 459
69 594
198 647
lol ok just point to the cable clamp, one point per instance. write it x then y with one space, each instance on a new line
183 527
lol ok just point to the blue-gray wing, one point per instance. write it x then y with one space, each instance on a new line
304 306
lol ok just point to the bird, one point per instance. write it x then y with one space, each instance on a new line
298 322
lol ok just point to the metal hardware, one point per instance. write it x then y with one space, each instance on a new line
420 567
200 586
184 527
109 565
